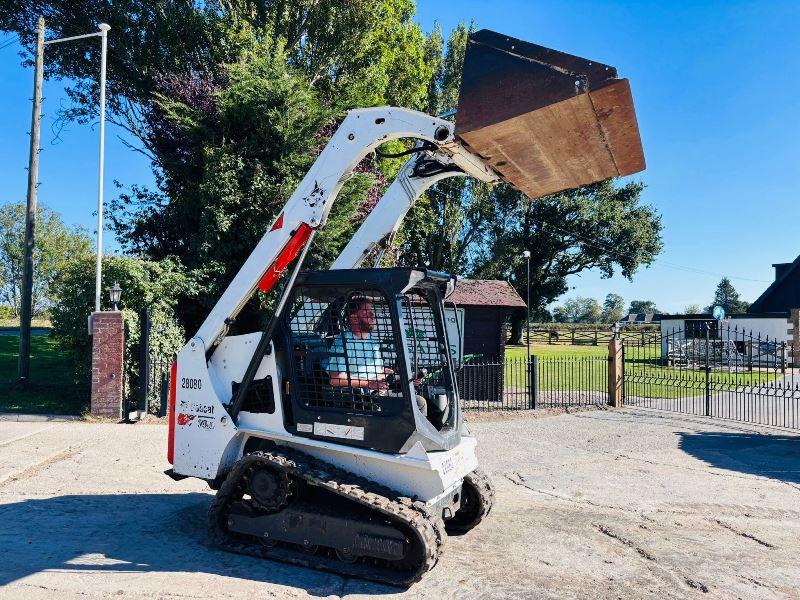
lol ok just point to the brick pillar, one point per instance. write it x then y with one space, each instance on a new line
108 347
794 345
615 373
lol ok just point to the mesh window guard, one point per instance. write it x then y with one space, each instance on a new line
343 349
427 353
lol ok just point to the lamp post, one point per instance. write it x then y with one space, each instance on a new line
33 175
103 35
527 256
532 375
114 294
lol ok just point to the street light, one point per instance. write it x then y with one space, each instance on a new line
527 256
33 182
103 35
114 294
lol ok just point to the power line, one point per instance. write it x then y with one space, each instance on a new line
8 43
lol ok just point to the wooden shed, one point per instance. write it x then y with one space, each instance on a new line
487 303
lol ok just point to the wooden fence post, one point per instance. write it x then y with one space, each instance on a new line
615 373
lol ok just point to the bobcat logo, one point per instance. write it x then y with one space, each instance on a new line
185 420
315 197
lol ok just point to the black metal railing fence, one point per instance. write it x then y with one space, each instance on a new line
714 370
544 382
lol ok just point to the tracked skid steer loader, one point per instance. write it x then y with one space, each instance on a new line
335 437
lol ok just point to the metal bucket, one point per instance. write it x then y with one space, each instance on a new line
545 120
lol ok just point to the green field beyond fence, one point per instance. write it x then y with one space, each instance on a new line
51 389
575 368
579 335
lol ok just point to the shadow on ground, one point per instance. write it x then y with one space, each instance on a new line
767 455
138 533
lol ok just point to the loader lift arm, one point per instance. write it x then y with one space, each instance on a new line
383 222
307 209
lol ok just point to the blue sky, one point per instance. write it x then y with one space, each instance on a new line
715 86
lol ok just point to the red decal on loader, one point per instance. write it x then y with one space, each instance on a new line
278 223
286 256
173 391
184 419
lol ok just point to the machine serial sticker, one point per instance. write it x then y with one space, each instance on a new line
304 427
340 431
447 465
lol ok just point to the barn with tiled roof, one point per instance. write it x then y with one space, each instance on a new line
487 304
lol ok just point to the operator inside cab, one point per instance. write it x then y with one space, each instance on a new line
365 368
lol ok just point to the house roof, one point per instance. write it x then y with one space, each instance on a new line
485 292
640 318
764 301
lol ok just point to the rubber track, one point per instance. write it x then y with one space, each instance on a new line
417 518
484 485
481 482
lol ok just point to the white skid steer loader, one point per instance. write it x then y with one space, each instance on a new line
335 436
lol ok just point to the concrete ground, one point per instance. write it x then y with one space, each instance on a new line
592 504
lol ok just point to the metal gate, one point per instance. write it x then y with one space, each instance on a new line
146 376
713 370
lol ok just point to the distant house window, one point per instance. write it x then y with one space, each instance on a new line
695 329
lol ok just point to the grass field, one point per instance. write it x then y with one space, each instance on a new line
570 368
556 351
50 390
35 323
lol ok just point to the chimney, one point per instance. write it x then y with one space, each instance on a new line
781 269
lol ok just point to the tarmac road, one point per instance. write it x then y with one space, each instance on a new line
632 503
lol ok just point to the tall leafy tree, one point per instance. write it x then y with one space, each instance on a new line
578 310
613 308
728 298
232 107
449 221
56 245
354 52
600 226
642 306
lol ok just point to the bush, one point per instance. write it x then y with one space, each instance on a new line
154 285
6 312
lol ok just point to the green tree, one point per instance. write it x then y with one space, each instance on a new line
232 107
158 286
727 297
600 226
578 310
449 221
642 306
613 308
56 244
353 52
692 309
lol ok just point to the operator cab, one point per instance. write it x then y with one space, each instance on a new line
365 359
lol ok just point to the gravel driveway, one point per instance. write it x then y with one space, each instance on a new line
631 503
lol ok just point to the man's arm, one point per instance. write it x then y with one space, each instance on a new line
339 379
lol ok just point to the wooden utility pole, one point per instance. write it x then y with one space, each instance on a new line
30 218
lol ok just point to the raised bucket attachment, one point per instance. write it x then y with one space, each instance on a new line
546 121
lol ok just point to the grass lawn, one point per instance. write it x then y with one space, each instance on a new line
50 391
555 350
35 324
570 368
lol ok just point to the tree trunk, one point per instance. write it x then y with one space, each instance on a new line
517 322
